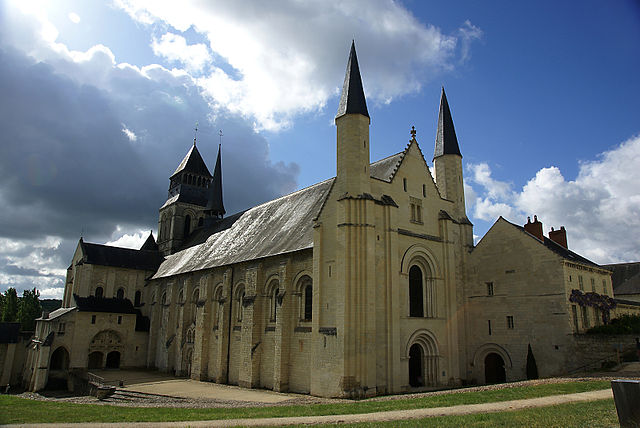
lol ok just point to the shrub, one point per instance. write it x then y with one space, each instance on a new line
626 324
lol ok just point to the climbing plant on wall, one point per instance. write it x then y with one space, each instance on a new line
595 300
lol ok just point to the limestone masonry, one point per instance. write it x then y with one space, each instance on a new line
367 283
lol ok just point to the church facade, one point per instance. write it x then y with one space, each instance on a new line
367 283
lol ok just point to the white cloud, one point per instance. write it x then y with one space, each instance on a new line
600 208
175 48
276 60
128 240
129 133
74 17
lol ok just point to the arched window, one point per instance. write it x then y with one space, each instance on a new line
238 303
120 293
216 306
416 300
274 304
200 221
308 301
180 296
187 225
99 292
163 300
138 298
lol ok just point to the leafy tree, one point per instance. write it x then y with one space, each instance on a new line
10 306
1 305
29 309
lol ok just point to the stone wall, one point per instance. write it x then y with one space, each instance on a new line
592 349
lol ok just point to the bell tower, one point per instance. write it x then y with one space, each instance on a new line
187 200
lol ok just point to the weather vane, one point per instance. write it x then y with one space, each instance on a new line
220 134
195 133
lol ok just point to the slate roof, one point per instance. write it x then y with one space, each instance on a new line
625 278
565 253
211 226
150 244
188 195
58 313
193 163
215 204
352 100
280 226
446 140
105 255
104 304
9 332
386 168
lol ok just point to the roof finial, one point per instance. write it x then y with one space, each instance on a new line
220 134
413 133
195 134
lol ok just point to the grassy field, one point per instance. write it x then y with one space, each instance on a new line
19 410
593 414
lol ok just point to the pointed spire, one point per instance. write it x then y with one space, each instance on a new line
192 163
352 100
446 140
150 243
215 206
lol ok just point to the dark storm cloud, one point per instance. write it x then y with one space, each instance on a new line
67 167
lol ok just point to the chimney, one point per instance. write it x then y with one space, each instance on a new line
559 236
45 315
534 228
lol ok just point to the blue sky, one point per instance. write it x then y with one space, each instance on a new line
101 99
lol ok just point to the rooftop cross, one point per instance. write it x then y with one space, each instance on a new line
195 134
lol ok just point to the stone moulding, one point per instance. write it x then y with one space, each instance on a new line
329 331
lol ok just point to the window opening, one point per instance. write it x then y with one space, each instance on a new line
99 291
416 302
489 288
510 322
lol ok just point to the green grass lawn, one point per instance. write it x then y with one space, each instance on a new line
19 410
592 414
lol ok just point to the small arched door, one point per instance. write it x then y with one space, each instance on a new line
494 371
95 360
113 360
416 372
59 359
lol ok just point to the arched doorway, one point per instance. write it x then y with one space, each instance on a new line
95 360
416 372
113 360
494 369
59 359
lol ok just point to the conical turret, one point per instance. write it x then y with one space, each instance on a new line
352 122
446 140
215 205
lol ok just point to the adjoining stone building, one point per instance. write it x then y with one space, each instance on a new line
363 284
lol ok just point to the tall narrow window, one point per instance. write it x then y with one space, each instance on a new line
120 293
585 317
308 301
274 304
510 322
404 184
138 298
580 282
489 322
187 226
604 286
489 288
99 291
593 285
416 300
424 191
574 312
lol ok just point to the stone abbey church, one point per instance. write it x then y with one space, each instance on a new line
366 283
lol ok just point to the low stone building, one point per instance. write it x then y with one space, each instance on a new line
363 284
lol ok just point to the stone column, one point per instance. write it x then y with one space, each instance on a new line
224 328
282 336
252 326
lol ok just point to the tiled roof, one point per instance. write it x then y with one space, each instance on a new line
193 163
625 278
105 255
9 332
280 226
104 304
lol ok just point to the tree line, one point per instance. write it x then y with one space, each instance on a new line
23 309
